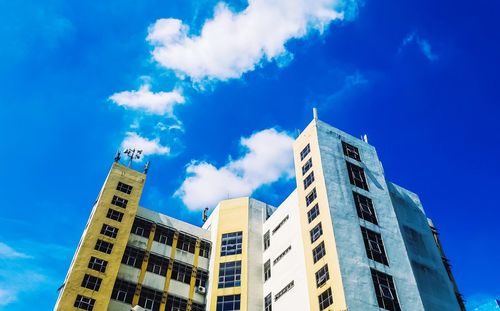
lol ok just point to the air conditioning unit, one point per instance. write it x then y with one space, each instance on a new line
201 290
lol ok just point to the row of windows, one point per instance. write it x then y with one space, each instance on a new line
277 259
280 224
284 290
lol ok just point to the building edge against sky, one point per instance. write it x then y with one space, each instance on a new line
344 239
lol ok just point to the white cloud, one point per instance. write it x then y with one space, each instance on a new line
232 43
7 296
143 99
424 45
148 147
8 252
268 157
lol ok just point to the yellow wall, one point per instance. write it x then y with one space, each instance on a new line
79 266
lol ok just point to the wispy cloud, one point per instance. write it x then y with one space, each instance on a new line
205 184
148 146
232 43
423 44
9 253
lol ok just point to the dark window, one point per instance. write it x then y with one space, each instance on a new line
357 176
311 196
123 291
164 235
201 278
124 188
133 257
157 264
84 303
267 270
197 307
275 261
182 272
103 246
228 303
374 246
316 232
364 207
91 282
205 249
309 180
385 291
186 243
322 276
284 290
177 304
268 301
150 299
325 299
114 215
305 152
141 227
318 252
231 243
267 240
120 202
351 151
313 213
110 231
307 166
229 274
97 264
280 224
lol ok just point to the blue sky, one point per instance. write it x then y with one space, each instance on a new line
78 80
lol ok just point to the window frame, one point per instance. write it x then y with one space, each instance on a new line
351 151
320 251
313 213
229 274
316 232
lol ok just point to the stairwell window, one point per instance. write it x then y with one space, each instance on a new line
316 232
318 252
357 176
124 188
325 299
385 291
308 180
307 166
114 215
231 243
322 276
97 264
313 213
311 197
91 282
305 152
103 246
351 151
364 208
120 202
110 231
84 303
374 246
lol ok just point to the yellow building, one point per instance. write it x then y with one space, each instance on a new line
344 239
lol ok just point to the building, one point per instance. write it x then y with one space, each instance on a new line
344 239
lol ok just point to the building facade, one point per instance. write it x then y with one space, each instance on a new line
344 239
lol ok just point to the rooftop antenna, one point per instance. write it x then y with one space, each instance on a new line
315 114
365 138
133 155
146 167
204 217
117 156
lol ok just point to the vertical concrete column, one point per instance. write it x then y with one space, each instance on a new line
193 274
169 271
144 266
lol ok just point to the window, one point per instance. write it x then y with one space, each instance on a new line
196 307
325 299
231 243
108 230
182 272
84 303
374 246
177 304
123 291
124 188
385 291
309 180
275 261
91 282
97 264
133 257
201 278
268 301
280 224
186 243
103 246
316 232
313 213
120 202
230 274
114 215
284 290
141 227
267 240
205 249
318 252
267 270
150 299
307 166
357 176
322 276
351 151
305 152
164 235
157 264
311 196
228 303
364 207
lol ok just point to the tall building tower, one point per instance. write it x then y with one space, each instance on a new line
344 239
